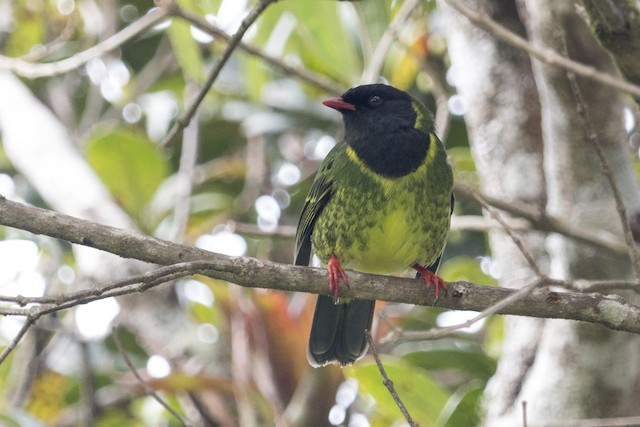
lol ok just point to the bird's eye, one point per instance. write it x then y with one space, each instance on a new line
375 101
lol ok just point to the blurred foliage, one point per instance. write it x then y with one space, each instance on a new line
129 165
423 397
261 136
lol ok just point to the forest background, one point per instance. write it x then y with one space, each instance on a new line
156 156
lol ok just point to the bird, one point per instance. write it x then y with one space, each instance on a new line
380 203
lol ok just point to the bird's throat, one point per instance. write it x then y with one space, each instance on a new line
393 154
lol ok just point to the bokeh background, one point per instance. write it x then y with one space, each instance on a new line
86 142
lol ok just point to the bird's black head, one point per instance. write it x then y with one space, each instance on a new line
374 108
380 125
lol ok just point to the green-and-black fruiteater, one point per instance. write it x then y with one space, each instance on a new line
380 203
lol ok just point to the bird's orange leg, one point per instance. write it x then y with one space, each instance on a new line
335 274
429 279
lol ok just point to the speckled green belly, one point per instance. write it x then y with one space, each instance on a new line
383 225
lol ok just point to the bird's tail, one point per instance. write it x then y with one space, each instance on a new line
337 332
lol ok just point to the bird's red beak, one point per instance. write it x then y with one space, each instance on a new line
338 104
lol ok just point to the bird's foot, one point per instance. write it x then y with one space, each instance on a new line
431 279
335 274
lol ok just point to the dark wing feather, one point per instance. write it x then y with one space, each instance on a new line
436 264
317 199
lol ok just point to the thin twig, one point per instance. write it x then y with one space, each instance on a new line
29 322
388 383
603 286
147 388
592 135
543 222
524 413
32 70
372 72
186 117
548 56
515 238
402 336
281 231
159 275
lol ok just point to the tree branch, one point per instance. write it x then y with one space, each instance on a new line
544 222
32 70
611 311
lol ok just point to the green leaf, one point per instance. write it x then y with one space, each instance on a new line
333 52
21 419
462 159
474 362
130 166
463 408
467 269
636 165
374 17
423 398
257 75
494 336
27 30
185 48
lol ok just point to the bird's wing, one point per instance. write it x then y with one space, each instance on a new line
317 199
453 202
436 264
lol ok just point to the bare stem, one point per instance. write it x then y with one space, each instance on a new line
388 383
29 322
150 391
493 309
516 240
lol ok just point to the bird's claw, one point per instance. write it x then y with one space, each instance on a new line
335 274
431 279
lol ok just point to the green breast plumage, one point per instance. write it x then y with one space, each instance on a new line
379 224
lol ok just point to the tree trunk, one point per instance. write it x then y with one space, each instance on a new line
563 370
581 370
